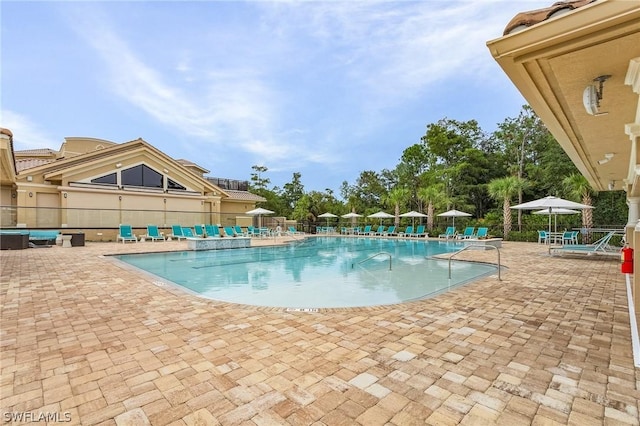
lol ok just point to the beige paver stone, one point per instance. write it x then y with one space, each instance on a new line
133 417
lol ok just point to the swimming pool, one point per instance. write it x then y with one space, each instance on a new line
321 272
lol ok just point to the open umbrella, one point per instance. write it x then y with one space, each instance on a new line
413 214
549 203
453 214
555 212
259 212
328 215
381 215
353 216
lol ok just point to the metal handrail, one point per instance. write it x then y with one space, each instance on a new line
476 245
375 255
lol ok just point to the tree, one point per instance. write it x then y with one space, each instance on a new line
258 182
579 189
292 192
396 197
505 189
433 196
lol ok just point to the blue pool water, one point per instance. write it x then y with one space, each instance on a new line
323 272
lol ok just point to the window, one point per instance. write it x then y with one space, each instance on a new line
172 184
109 179
141 175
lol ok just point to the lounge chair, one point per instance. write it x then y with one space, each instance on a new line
212 230
176 232
229 231
365 231
600 247
390 231
379 230
449 233
240 232
199 230
188 232
126 234
468 233
420 232
293 231
408 232
482 233
153 233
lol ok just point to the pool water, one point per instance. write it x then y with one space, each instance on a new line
321 272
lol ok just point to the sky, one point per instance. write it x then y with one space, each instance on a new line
325 89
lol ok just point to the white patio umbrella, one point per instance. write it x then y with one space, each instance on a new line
453 214
259 212
413 214
328 215
555 212
549 203
381 215
353 216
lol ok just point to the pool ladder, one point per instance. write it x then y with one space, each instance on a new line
476 245
383 253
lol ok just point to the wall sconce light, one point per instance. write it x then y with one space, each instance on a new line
606 159
165 200
166 171
593 95
31 194
14 195
64 194
118 165
612 185
29 178
120 197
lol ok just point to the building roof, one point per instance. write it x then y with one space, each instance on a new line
244 196
38 152
29 163
524 20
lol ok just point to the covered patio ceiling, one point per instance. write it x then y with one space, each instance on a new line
551 63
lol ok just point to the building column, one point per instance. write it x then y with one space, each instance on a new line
632 217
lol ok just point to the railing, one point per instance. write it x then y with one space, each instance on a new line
384 253
479 246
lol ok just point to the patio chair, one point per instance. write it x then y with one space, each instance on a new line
176 232
378 230
153 233
188 232
199 230
570 237
449 233
365 231
126 234
469 232
408 232
543 238
229 231
391 231
240 232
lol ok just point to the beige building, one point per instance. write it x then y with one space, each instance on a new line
577 63
95 185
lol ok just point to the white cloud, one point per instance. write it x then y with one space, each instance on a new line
26 133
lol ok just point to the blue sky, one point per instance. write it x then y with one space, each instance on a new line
327 89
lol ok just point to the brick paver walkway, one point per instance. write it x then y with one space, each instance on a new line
88 340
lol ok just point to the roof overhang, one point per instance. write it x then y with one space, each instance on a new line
7 162
551 63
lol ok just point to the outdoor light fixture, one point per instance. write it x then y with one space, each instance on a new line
606 159
118 165
612 185
593 95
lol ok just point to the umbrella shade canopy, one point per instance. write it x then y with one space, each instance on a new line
351 215
413 214
327 215
454 213
259 211
381 215
550 202
555 212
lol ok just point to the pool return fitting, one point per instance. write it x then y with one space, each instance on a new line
383 253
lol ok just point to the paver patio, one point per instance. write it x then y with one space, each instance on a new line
83 337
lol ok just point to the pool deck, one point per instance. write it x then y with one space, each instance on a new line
84 337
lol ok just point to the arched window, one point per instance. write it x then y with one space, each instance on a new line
141 175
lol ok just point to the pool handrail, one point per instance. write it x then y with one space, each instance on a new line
476 245
375 255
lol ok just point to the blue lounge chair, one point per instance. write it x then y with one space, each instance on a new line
600 247
153 233
293 231
240 232
420 232
408 232
229 231
188 232
365 231
378 230
449 233
482 233
176 232
199 230
126 234
212 231
390 231
468 233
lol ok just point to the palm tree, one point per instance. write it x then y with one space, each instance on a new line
505 189
579 189
395 198
432 195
